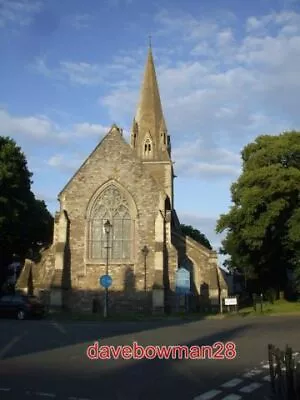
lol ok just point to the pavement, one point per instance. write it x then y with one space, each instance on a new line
48 359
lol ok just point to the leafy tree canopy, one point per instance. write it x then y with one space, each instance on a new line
263 224
24 220
195 234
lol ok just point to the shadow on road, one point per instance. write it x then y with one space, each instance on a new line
124 379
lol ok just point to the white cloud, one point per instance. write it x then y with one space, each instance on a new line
118 3
37 127
225 37
64 162
18 12
120 102
81 73
197 159
184 24
43 129
286 22
86 129
81 21
240 88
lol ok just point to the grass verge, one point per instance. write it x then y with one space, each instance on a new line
279 308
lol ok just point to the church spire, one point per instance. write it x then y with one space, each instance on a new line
149 130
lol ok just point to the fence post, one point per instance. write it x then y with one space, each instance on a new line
289 373
271 366
297 380
280 386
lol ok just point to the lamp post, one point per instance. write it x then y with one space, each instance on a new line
145 251
107 228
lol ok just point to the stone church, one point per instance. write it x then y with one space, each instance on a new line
130 188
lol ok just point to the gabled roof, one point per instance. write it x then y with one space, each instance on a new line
114 130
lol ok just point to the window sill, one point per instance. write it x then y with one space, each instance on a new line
110 262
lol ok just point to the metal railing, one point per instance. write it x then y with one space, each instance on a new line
284 369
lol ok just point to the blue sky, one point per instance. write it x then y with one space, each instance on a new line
228 71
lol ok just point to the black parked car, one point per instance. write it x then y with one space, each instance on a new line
21 306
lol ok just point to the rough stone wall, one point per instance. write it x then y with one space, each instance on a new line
112 160
203 267
162 173
36 275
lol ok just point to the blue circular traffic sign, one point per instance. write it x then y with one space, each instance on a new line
105 281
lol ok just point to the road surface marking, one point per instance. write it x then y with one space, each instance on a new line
232 383
251 387
208 395
4 389
59 327
252 373
232 397
46 394
10 344
267 378
77 398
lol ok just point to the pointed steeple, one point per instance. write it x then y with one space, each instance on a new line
149 131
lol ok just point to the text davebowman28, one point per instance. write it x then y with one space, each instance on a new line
216 351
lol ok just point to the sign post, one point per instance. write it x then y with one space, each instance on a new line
105 281
231 301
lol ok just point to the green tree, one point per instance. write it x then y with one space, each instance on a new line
195 234
24 221
262 226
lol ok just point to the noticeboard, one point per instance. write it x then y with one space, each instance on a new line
230 301
183 281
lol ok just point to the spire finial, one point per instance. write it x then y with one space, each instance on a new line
150 44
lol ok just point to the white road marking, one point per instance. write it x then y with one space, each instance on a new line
10 344
52 395
208 395
267 378
252 373
77 398
251 387
59 327
4 389
232 383
232 397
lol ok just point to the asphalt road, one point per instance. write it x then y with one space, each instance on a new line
48 360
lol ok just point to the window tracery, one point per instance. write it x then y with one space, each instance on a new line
112 205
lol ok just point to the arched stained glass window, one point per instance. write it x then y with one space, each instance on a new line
112 205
